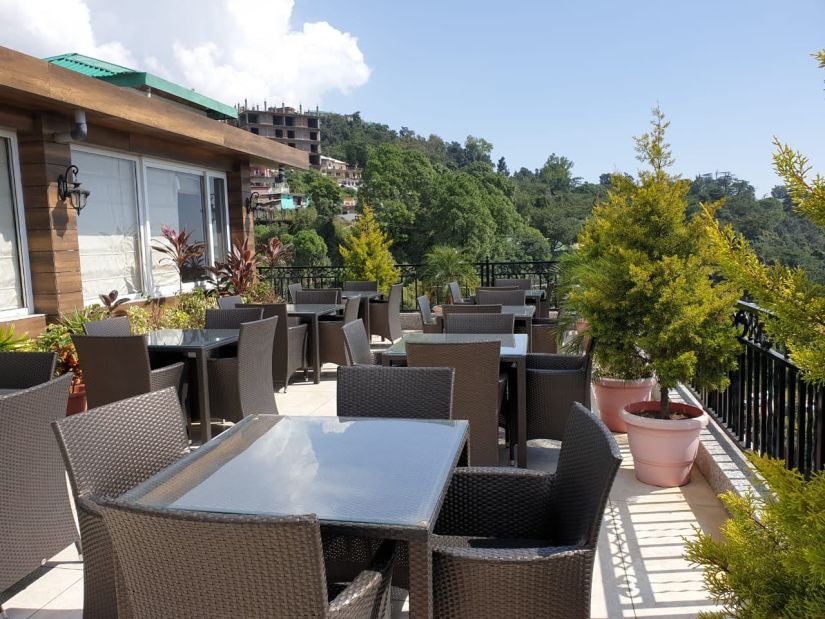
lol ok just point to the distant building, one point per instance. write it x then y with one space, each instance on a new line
298 129
345 175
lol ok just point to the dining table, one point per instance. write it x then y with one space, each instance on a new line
200 344
310 313
362 477
523 316
364 308
514 348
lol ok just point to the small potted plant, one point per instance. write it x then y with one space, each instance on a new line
646 284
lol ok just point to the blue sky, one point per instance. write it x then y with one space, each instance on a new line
579 78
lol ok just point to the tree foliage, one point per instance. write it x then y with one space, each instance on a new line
444 264
367 253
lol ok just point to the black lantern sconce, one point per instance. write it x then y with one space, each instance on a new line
71 190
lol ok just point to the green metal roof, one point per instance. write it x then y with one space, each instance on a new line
130 78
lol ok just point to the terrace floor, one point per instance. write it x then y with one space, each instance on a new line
639 570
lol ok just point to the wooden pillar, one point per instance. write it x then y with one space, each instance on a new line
241 225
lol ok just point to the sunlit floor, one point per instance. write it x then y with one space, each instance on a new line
639 569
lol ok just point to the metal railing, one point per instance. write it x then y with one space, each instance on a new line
540 274
768 407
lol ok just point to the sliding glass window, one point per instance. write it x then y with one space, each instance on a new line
12 288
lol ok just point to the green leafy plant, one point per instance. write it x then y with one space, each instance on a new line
444 264
180 251
643 277
771 560
261 292
367 253
57 338
9 341
238 271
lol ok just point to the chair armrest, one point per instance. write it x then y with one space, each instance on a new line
557 362
494 502
167 376
527 555
369 590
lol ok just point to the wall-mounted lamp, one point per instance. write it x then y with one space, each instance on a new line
71 189
252 202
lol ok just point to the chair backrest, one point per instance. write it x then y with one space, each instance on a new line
378 391
358 343
519 284
231 318
455 293
495 288
280 350
475 389
36 518
554 383
427 317
351 306
119 325
255 343
262 566
229 302
545 337
394 300
469 308
19 370
114 367
364 285
326 296
588 462
505 297
293 288
479 323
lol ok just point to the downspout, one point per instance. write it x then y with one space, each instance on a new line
79 132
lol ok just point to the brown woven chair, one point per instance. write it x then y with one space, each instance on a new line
554 383
118 367
333 348
177 563
107 451
454 291
242 386
293 288
468 308
118 325
475 390
321 296
289 348
20 370
229 302
479 323
231 318
361 285
385 316
413 393
358 344
429 322
502 296
518 284
36 519
545 335
520 543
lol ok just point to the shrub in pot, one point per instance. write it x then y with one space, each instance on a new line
644 279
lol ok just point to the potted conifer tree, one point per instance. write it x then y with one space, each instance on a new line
645 282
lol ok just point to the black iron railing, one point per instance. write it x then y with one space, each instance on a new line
540 274
768 408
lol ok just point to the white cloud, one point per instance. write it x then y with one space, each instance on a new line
232 50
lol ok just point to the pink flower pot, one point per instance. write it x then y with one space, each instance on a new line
663 449
612 395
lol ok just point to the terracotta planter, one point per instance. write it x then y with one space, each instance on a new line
612 395
77 400
663 449
582 326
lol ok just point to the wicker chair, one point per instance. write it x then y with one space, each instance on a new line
229 302
108 451
520 543
385 316
455 294
554 383
117 367
322 296
20 370
468 308
293 288
255 566
361 285
333 348
242 386
110 326
429 322
231 318
479 323
412 393
475 390
502 296
518 284
36 519
545 335
358 344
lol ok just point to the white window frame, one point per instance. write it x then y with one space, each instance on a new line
20 230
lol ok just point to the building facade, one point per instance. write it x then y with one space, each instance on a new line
298 129
345 175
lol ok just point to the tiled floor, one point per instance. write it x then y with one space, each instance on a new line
639 569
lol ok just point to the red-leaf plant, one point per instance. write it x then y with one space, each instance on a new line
238 272
179 250
275 253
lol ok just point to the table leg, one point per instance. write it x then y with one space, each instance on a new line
421 580
365 315
316 349
521 411
203 395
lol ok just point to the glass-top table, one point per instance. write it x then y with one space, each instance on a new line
519 311
384 478
310 312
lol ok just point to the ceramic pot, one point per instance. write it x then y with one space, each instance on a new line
663 449
612 395
77 400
